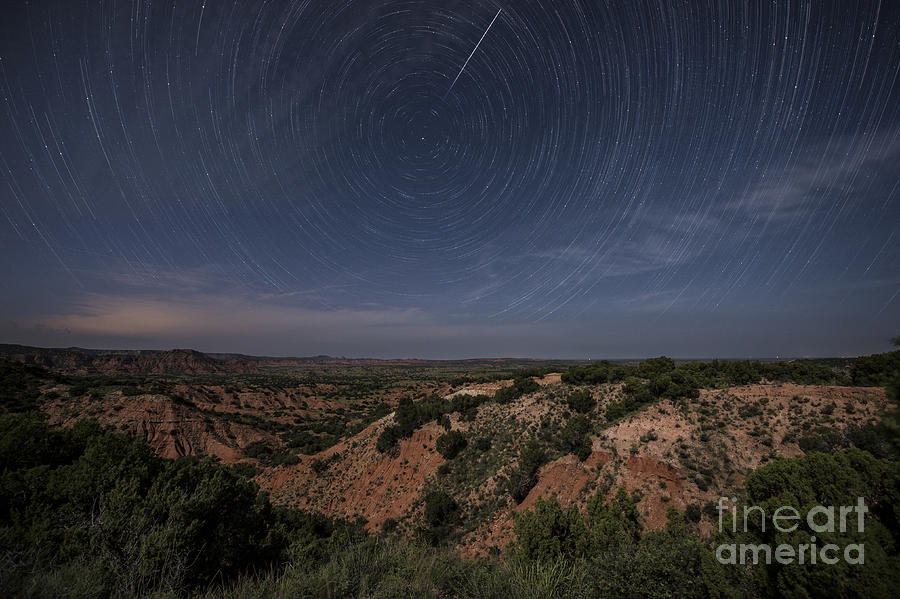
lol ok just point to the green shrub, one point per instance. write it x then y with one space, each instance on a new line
440 508
650 435
877 370
665 379
749 411
388 439
20 386
482 444
575 437
320 465
547 531
692 513
440 515
821 438
444 422
389 525
523 478
520 387
409 416
450 444
837 479
467 405
87 499
618 409
581 401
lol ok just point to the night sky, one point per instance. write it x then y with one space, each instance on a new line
452 178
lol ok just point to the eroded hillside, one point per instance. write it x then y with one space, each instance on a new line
676 452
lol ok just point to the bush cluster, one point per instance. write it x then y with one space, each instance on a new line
20 385
267 456
520 387
581 401
722 373
101 507
523 478
548 532
878 370
575 437
450 444
410 415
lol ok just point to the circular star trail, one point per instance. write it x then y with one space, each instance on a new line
490 160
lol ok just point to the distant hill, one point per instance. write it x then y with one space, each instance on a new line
79 360
76 360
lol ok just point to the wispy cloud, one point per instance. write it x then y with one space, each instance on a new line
843 166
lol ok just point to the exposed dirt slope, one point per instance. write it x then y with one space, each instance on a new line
357 480
673 453
171 428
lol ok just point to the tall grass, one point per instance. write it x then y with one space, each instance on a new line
375 569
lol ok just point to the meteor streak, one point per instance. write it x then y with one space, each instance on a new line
473 51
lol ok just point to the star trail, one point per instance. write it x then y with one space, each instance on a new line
451 179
